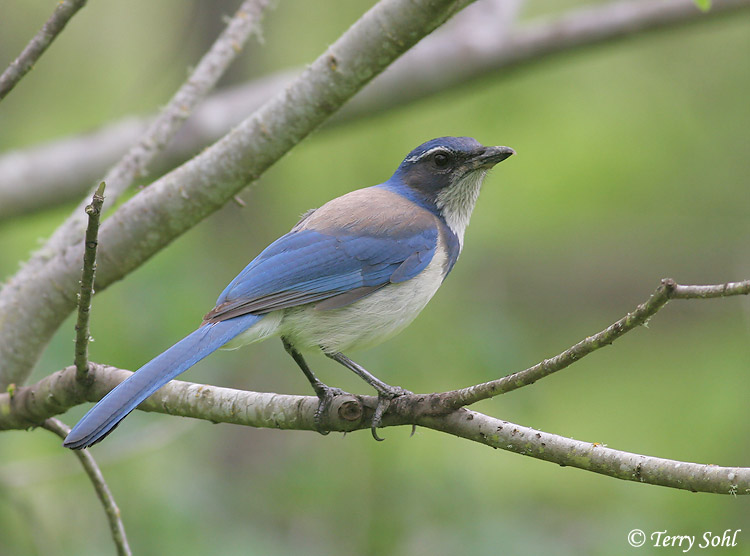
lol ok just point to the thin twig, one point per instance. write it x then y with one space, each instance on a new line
100 485
94 211
666 291
203 79
19 67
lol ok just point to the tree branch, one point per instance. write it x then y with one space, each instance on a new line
100 485
87 283
695 477
29 406
255 409
666 291
63 13
58 392
53 173
41 294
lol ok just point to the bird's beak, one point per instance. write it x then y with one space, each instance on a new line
491 156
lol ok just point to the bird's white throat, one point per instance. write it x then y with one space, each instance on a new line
456 202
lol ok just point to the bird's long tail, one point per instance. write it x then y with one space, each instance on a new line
115 406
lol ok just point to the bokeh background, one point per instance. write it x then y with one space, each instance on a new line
632 166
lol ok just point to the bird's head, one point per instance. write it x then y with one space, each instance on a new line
447 173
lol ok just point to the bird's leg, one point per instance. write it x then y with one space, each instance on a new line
386 392
324 392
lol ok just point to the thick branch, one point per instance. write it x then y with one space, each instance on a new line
711 291
63 13
225 405
100 486
30 406
55 172
39 297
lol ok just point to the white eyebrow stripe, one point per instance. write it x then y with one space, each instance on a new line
432 150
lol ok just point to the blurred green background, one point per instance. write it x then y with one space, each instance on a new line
632 166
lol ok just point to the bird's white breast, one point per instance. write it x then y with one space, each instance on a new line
368 321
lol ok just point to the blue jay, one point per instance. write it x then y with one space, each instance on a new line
348 275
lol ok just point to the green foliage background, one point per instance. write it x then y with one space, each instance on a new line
632 165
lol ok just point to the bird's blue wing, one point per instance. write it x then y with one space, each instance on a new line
308 265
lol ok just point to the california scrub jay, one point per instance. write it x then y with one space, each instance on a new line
350 274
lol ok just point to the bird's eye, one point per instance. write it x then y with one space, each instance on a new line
441 159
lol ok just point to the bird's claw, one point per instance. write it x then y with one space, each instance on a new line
385 397
325 397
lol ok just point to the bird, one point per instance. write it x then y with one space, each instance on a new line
349 275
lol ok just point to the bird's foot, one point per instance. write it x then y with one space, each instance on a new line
386 392
385 397
325 397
